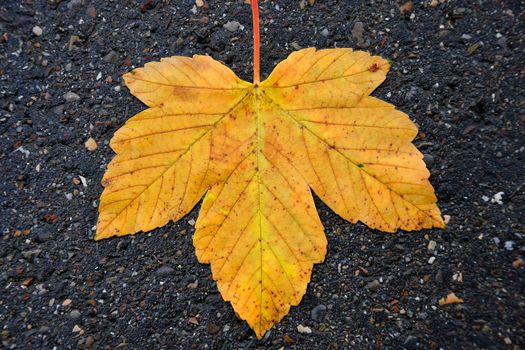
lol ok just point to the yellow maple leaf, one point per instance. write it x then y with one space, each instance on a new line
254 151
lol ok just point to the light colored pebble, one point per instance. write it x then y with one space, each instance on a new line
497 198
91 144
37 30
304 329
232 26
83 180
71 96
509 245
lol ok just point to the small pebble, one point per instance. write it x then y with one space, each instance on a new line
288 340
357 32
473 48
72 40
431 245
29 254
112 57
164 271
303 329
73 3
431 260
90 341
71 97
509 245
91 144
318 313
295 45
41 237
232 26
498 198
517 263
91 11
458 276
374 285
83 180
37 30
74 314
213 328
325 32
428 159
193 285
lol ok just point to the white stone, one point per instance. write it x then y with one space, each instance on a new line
497 198
303 329
37 30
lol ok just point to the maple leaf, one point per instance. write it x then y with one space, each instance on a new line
255 151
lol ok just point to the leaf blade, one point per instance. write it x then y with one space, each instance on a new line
145 188
333 124
260 270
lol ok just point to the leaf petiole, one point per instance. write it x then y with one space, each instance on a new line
256 44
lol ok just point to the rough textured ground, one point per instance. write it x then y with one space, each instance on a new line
457 70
